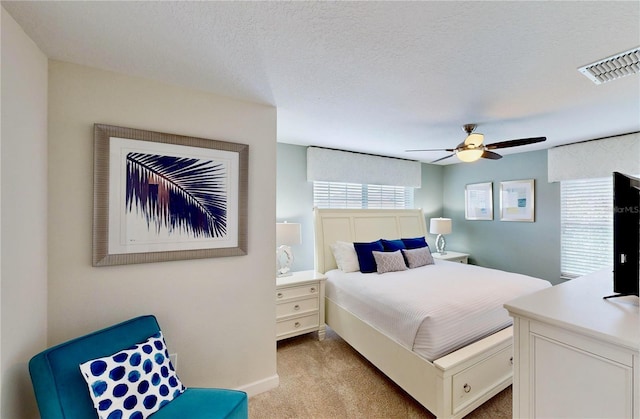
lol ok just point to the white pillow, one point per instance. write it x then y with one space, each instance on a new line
345 255
389 261
418 257
137 381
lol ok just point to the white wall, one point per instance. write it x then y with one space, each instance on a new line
23 240
217 314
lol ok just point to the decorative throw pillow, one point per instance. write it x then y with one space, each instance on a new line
389 261
418 257
133 383
393 245
365 255
415 243
345 255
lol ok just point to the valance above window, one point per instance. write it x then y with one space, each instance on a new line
595 159
344 166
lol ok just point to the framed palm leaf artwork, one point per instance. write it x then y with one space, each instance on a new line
161 197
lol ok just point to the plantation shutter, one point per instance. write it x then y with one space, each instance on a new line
337 195
355 195
380 196
586 226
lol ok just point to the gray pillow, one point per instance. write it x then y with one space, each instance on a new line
418 257
389 261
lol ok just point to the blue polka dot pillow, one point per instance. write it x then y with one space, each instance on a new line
133 383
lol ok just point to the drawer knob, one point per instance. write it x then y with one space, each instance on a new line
313 289
296 307
467 388
511 360
280 295
296 325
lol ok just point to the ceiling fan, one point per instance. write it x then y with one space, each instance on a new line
472 148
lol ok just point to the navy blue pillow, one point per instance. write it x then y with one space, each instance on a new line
365 255
415 243
393 245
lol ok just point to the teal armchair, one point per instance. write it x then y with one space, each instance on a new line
62 392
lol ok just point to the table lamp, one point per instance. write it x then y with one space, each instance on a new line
440 226
287 234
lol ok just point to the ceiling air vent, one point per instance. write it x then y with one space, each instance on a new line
614 67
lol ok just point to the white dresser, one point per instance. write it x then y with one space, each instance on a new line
300 304
575 354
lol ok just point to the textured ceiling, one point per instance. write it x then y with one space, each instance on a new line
377 77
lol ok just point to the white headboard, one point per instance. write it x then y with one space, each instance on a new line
361 225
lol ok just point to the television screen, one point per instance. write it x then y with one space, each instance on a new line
626 234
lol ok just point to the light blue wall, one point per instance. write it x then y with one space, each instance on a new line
527 248
429 196
294 198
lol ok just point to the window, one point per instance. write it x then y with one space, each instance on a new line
357 195
586 222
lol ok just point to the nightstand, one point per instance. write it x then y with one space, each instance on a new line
300 304
452 256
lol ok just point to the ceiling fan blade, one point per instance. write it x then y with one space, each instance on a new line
450 150
515 143
490 155
442 158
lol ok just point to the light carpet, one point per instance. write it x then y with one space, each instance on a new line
329 379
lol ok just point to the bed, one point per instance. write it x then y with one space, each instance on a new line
450 379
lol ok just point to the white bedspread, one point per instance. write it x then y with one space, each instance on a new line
435 309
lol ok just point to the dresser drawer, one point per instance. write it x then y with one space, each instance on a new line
297 325
283 294
297 307
473 382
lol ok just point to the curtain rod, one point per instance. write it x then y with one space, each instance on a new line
364 154
600 138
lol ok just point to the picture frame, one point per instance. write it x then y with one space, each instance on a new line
161 197
478 200
517 200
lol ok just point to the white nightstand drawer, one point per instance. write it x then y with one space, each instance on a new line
296 307
300 304
462 259
297 325
283 294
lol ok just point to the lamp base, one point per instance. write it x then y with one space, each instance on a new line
284 259
440 244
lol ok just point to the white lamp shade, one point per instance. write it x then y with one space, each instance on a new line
440 226
288 233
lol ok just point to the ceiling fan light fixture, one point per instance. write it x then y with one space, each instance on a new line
474 139
469 155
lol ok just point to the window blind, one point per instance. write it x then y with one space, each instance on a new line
586 222
356 195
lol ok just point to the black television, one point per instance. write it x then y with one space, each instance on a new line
626 235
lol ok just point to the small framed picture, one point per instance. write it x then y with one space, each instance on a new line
478 199
517 200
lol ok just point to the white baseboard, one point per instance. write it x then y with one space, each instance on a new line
261 386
